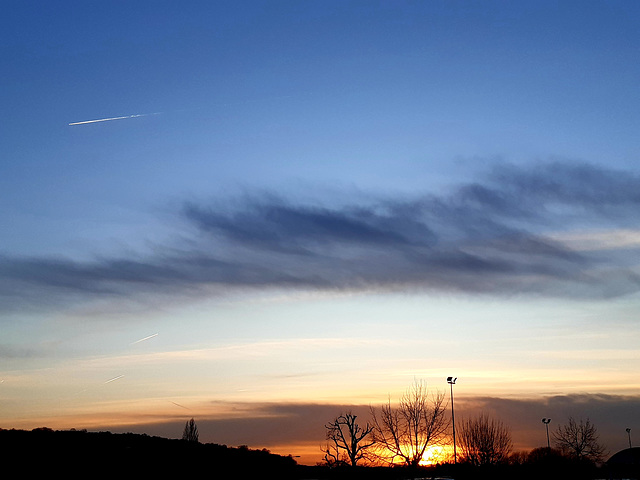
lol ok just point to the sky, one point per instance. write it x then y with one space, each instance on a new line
291 209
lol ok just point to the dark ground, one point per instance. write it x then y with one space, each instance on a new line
81 454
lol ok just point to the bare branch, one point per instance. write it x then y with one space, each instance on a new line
348 441
579 440
404 433
485 441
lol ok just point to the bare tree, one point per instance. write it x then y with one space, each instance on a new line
579 440
406 432
484 441
333 457
348 442
190 433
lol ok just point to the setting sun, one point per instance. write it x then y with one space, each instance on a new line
435 454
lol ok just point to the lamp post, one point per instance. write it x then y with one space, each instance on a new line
629 433
546 424
451 381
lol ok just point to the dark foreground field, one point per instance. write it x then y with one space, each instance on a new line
80 454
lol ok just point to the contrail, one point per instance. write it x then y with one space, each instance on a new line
143 339
114 379
178 405
114 118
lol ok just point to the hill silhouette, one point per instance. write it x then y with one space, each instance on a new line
78 453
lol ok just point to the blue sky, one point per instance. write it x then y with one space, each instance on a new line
314 203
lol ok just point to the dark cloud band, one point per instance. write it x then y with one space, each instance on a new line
488 236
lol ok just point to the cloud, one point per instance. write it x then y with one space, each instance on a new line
500 235
611 414
594 240
582 186
278 226
285 428
12 352
302 424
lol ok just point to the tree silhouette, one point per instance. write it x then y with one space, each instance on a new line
190 433
579 440
484 441
348 442
406 431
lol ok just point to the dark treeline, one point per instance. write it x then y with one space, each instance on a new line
539 464
403 435
82 454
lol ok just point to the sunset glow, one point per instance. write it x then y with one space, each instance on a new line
435 455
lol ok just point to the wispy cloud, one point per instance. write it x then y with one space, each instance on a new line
144 339
85 122
508 232
598 240
114 379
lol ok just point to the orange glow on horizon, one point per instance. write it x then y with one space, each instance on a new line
436 454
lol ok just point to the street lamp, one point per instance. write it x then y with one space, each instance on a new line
546 424
629 433
451 381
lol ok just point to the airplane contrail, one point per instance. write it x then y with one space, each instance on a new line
114 118
178 405
143 339
114 379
